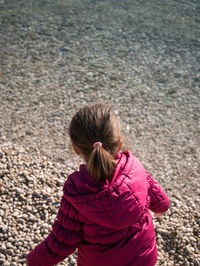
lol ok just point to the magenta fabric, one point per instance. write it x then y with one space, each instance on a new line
109 222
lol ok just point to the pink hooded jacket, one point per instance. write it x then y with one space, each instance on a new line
109 223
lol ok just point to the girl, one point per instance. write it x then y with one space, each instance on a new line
104 210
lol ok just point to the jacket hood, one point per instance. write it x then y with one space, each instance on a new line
113 204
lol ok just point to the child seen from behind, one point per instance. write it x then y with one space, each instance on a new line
104 211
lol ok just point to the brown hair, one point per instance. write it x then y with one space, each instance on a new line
96 123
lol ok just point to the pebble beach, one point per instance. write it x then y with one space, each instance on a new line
142 58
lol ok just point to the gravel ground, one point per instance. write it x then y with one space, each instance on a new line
142 57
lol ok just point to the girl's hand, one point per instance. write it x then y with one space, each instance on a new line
157 215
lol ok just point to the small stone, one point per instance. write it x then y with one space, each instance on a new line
8 245
3 160
72 261
4 206
2 261
174 233
3 246
10 252
192 239
21 150
6 263
11 239
16 214
14 233
48 190
172 252
59 194
26 173
2 256
46 226
29 208
189 249
4 228
20 221
32 217
186 263
20 243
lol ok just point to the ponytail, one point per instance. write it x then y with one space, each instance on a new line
101 164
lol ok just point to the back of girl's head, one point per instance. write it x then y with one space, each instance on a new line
91 124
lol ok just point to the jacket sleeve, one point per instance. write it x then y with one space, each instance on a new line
159 202
62 240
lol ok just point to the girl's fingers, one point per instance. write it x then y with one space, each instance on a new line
157 215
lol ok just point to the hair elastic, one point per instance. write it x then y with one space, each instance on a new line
97 144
